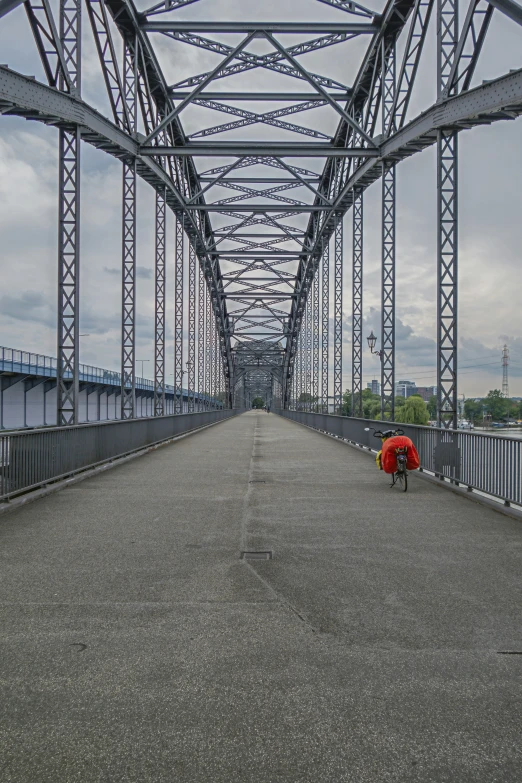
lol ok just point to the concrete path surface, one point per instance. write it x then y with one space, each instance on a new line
137 646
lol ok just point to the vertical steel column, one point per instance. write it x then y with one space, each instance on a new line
447 233
388 247
211 350
308 349
325 326
357 289
178 319
128 342
67 389
315 343
201 337
159 314
338 316
299 369
191 367
215 349
208 346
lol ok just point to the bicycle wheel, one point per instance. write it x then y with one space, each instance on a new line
401 479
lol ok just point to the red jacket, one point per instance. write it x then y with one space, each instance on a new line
389 456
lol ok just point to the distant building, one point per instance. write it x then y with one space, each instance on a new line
426 392
375 387
405 388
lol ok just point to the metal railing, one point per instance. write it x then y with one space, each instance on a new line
26 363
487 463
29 460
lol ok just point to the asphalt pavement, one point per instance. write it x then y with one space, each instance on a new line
381 643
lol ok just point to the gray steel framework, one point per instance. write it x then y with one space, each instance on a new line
128 340
192 304
159 313
338 316
357 306
68 49
325 325
201 337
447 213
315 342
258 262
178 317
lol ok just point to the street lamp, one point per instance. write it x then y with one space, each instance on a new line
142 363
371 342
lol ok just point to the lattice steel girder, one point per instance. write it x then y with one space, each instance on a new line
357 298
338 315
68 277
159 311
291 28
192 304
447 279
388 294
447 217
201 336
325 325
178 318
128 343
67 368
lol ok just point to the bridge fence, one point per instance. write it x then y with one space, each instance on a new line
33 458
486 463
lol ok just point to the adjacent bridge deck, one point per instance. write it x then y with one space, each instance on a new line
137 646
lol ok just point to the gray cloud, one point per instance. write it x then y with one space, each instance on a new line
141 271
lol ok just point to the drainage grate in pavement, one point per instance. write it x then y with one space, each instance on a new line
509 652
257 481
256 555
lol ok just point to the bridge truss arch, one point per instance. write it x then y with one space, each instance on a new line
260 196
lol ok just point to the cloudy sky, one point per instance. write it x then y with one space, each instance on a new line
490 238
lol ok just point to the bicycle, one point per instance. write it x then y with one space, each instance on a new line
400 476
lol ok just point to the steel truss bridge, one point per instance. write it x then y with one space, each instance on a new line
259 221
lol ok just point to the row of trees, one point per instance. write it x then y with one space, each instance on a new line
412 410
494 406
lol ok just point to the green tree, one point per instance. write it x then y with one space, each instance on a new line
347 403
432 406
258 402
414 411
496 404
473 410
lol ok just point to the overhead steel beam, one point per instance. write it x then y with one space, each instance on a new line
180 95
509 8
6 6
290 28
261 149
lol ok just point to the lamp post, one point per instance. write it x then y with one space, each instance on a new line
371 343
142 363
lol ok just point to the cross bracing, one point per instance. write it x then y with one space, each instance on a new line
261 194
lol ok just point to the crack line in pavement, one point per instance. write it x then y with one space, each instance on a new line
243 538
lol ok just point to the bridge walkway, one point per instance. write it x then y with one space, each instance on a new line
137 646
